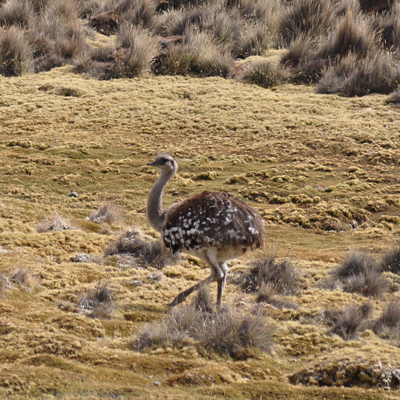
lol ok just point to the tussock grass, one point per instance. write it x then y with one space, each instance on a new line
266 270
16 12
311 18
357 77
132 241
351 35
110 16
390 260
3 286
98 303
349 321
16 55
23 278
108 213
129 57
359 273
394 97
54 223
228 331
198 54
265 74
388 324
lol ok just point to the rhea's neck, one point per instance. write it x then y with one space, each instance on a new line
155 210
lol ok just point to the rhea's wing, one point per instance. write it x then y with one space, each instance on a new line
212 219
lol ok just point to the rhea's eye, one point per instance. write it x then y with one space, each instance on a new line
163 161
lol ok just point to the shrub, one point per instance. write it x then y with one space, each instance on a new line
391 260
360 273
55 223
98 303
108 213
311 18
358 77
265 74
150 253
15 52
349 321
281 276
228 331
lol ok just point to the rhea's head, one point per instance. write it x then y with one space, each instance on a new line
166 163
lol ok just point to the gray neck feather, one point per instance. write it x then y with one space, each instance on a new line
155 212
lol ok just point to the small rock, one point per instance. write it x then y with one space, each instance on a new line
156 383
73 194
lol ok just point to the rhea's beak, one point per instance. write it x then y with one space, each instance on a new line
152 163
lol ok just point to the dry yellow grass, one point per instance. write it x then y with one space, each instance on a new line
322 170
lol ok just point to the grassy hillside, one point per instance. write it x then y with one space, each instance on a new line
323 171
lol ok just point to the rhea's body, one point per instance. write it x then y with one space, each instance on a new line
216 227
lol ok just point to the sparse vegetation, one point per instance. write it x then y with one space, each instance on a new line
359 273
324 40
108 213
265 74
390 260
227 331
98 303
23 278
3 286
349 321
267 270
54 223
150 253
322 170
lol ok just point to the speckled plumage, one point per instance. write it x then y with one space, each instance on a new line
215 227
212 220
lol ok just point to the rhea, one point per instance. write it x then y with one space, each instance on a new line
215 227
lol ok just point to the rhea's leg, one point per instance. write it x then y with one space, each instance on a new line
221 283
209 257
182 295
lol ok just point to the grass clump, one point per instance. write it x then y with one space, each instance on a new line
268 271
388 324
16 12
228 331
23 278
98 303
358 77
359 273
349 321
3 286
54 223
16 56
312 18
198 54
265 74
390 260
132 241
108 213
